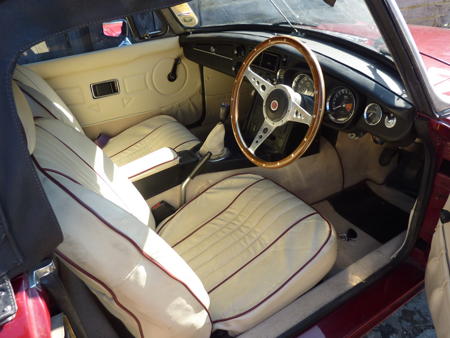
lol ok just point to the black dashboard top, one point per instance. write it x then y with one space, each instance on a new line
362 94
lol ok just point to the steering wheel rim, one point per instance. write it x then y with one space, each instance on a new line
290 109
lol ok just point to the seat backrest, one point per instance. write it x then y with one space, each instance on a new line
44 101
109 238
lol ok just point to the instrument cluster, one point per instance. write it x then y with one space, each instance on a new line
344 106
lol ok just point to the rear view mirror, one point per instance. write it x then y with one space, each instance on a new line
113 29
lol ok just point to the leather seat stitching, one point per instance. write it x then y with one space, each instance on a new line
167 220
179 145
148 134
38 102
264 250
87 164
283 284
103 284
230 221
234 228
53 171
261 233
124 236
202 225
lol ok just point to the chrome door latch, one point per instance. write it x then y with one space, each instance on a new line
46 269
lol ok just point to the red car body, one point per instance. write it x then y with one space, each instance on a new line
384 296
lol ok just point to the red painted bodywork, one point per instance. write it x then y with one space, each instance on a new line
371 306
429 41
32 318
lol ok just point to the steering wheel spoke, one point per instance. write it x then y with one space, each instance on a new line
262 86
280 104
300 115
263 133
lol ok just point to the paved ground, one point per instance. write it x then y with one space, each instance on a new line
411 320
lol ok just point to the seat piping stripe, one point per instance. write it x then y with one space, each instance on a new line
155 166
110 291
86 163
193 140
233 230
132 242
218 214
38 102
53 171
147 135
283 284
161 227
264 250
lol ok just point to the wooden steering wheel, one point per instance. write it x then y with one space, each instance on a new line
281 103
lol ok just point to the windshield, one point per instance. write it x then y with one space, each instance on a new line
348 19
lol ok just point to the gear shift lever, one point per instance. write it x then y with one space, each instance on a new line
224 111
214 143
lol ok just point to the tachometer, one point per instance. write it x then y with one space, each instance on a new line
303 84
341 104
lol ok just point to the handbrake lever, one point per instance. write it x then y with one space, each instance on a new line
193 173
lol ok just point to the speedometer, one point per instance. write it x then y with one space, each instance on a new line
341 104
303 84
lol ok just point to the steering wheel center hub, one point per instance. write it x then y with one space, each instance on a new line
277 104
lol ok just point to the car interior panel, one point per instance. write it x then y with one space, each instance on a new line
225 182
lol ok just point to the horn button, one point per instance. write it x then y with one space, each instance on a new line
277 105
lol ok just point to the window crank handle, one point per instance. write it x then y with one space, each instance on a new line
172 76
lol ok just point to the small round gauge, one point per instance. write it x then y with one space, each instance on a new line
281 73
373 114
341 104
303 84
390 121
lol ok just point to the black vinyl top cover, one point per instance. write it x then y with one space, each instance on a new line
29 230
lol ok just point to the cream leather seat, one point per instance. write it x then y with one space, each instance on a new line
228 259
131 144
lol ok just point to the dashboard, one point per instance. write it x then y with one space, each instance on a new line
363 94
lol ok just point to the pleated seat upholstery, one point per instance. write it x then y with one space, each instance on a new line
131 144
228 259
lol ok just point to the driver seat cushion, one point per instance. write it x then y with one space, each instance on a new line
131 144
255 247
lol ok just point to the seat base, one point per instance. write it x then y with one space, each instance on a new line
255 247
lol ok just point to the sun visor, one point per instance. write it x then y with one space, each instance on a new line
28 226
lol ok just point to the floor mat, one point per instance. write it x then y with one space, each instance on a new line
369 212
348 251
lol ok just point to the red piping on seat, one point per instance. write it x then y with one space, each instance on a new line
111 292
35 100
193 140
87 164
158 231
265 249
133 243
220 212
53 171
148 134
156 166
282 285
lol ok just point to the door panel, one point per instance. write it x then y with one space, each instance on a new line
144 89
437 277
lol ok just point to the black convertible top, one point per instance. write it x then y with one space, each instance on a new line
29 230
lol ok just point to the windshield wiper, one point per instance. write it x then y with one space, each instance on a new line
290 23
283 15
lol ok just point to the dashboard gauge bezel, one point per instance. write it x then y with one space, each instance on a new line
333 92
366 117
297 79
